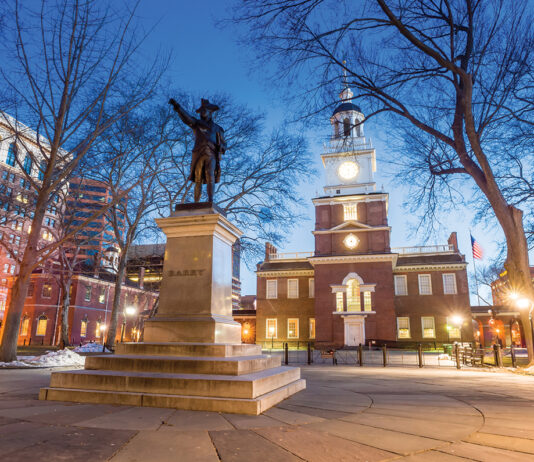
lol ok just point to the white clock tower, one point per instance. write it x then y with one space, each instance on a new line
349 158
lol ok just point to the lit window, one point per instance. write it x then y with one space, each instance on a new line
403 327
429 330
425 284
47 290
454 331
83 328
339 301
41 326
401 285
6 267
2 305
88 290
312 328
97 329
271 328
293 328
25 325
367 303
350 211
102 296
272 288
292 288
353 295
449 283
311 288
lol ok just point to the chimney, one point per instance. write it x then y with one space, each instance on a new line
453 240
269 249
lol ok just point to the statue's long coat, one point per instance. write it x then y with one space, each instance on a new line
208 137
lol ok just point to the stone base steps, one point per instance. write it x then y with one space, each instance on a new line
188 349
232 365
251 406
219 386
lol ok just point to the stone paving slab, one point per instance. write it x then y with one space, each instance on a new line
399 443
423 413
187 446
246 445
292 417
313 411
433 456
316 446
182 420
135 418
484 453
244 422
503 442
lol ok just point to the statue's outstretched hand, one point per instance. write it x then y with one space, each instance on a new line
172 102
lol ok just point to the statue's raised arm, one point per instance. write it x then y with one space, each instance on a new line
209 145
187 118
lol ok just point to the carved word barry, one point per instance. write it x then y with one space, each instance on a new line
186 272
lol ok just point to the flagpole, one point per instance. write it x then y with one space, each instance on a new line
474 266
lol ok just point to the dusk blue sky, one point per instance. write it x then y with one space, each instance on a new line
208 58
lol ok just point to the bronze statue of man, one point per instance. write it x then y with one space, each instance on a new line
209 146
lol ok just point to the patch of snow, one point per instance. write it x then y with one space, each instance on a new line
444 356
529 369
50 359
90 347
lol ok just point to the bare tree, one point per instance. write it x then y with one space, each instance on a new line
67 66
455 78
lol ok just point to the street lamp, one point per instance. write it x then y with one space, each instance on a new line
271 331
128 311
458 321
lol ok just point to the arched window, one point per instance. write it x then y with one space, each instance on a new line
346 127
27 166
353 295
41 325
11 153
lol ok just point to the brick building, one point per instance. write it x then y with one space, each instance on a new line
89 313
354 288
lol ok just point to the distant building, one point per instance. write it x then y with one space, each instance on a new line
246 316
236 275
144 266
354 288
91 301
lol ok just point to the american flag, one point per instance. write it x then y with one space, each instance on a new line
477 250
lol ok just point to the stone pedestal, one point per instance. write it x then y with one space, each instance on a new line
192 356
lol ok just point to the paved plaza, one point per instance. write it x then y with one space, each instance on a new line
346 413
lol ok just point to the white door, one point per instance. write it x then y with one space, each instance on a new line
353 334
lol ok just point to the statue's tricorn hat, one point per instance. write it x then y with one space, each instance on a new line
205 104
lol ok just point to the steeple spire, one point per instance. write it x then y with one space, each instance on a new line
346 94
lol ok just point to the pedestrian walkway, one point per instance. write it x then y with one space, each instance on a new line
346 413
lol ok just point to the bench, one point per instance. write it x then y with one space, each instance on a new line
329 354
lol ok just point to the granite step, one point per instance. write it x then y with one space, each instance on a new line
251 406
221 386
188 349
233 365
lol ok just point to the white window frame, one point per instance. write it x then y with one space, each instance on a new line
88 292
269 293
296 321
311 288
454 288
423 327
419 278
83 331
296 282
398 328
350 211
38 329
43 290
340 302
404 278
367 301
275 323
311 331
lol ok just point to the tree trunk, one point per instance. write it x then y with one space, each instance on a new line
10 334
64 320
112 331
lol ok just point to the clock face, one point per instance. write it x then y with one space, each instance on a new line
351 241
348 170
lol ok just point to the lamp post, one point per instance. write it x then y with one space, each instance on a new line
128 311
458 321
271 331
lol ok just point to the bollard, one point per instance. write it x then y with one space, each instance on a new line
457 353
512 354
286 353
360 355
420 354
498 355
309 353
30 341
42 341
385 354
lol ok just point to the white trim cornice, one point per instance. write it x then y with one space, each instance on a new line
367 258
335 200
352 230
283 273
430 267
